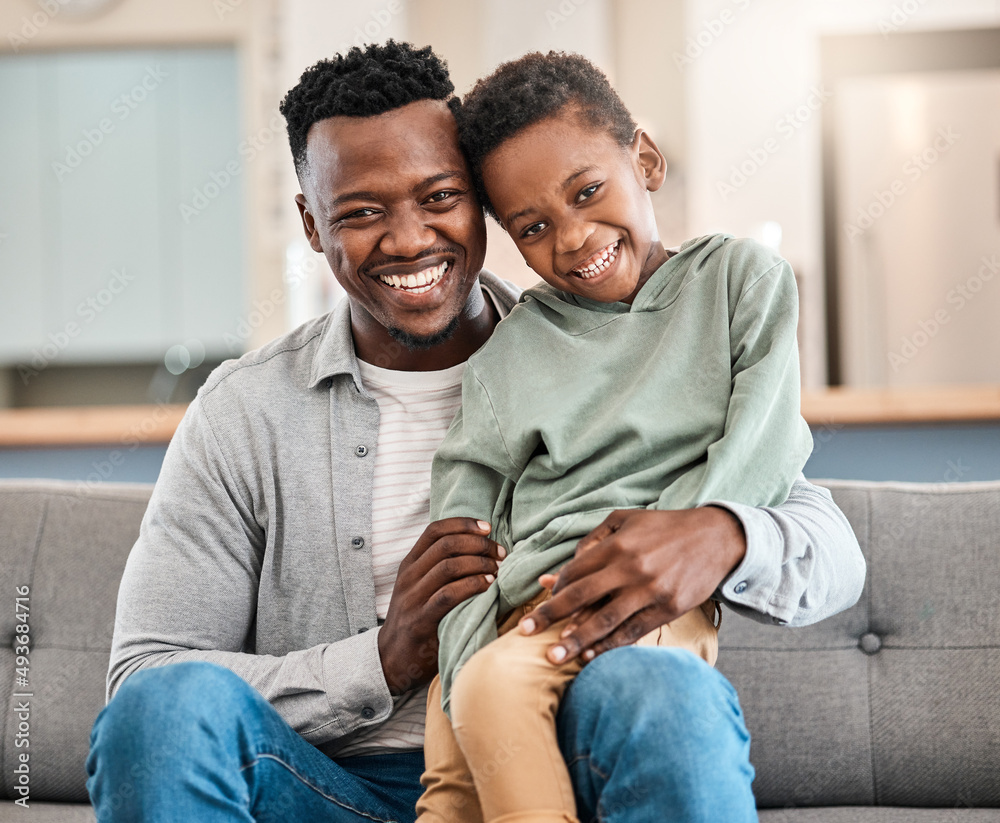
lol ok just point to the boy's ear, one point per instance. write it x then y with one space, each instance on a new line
649 160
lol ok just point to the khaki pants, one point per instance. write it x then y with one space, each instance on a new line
498 760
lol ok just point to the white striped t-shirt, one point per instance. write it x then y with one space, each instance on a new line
415 410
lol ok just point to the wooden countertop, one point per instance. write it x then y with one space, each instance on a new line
151 425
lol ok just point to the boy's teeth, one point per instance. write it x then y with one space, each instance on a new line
416 283
601 262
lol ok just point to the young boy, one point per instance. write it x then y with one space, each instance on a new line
632 378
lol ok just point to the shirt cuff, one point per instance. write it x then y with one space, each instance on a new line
754 582
355 683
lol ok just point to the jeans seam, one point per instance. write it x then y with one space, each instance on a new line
319 791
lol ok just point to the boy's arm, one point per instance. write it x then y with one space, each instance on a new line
794 563
766 442
473 473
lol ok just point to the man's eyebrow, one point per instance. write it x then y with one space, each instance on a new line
370 195
565 185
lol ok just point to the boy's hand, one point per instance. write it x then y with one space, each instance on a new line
639 569
452 560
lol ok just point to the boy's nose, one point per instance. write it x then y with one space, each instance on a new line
572 236
407 235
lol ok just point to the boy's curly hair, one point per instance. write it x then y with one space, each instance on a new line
363 83
529 89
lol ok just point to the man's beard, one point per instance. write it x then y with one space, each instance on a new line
414 342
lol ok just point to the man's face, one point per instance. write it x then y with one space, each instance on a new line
388 199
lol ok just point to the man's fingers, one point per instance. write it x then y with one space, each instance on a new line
449 526
455 545
603 623
444 599
632 630
453 569
567 602
608 526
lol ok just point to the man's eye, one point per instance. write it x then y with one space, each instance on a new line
359 213
532 230
588 192
440 196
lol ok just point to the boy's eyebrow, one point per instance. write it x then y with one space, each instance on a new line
565 185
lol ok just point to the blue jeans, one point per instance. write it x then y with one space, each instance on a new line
193 741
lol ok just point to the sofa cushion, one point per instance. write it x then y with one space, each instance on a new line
897 700
879 814
68 542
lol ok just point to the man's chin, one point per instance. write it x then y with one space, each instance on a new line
415 342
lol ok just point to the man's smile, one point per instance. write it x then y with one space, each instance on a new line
418 282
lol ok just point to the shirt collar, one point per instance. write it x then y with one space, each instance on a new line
335 354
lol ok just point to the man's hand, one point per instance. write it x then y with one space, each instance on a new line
639 569
452 560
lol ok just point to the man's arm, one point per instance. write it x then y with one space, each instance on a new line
190 592
800 562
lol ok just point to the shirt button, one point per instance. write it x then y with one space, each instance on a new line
368 712
870 643
740 587
358 542
361 451
778 621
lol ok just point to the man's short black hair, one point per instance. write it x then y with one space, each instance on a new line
523 92
363 83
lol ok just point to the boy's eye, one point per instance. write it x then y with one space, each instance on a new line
532 230
588 192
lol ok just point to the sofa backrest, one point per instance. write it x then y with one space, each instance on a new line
67 543
895 701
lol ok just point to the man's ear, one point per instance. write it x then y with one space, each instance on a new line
308 223
649 160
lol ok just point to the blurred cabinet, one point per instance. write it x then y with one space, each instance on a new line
121 205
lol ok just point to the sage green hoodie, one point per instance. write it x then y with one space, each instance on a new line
575 408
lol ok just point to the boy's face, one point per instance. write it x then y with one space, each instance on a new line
575 202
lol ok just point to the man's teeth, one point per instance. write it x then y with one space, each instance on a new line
416 283
599 262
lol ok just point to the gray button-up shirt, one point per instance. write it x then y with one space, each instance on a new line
255 551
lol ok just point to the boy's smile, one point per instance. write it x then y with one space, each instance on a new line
576 204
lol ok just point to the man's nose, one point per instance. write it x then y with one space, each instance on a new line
407 234
572 235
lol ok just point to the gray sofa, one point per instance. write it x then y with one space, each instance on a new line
888 712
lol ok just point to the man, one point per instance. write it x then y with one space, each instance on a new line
286 540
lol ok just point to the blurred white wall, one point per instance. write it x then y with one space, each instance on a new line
751 70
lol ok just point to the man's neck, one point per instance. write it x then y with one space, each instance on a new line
475 325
